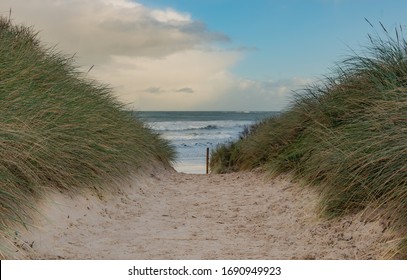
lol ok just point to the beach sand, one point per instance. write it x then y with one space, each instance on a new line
162 214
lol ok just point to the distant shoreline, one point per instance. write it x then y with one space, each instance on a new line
191 133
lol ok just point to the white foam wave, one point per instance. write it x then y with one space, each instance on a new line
197 125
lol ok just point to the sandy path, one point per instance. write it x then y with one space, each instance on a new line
168 215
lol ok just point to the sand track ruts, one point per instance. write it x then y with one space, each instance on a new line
169 215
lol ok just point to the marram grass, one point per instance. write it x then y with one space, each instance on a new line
346 135
59 129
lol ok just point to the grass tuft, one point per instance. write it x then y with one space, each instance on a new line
346 135
59 130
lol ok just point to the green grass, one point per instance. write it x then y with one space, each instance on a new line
58 129
345 135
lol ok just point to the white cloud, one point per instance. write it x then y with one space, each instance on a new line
155 59
185 80
171 16
97 29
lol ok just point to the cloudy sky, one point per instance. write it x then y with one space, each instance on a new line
206 54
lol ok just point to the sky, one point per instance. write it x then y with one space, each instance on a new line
211 55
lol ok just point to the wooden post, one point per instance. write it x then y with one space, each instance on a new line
207 160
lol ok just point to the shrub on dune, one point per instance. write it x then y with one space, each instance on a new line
346 135
59 129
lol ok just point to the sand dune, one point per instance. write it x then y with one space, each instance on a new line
169 215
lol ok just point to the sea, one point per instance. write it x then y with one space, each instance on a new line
192 132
